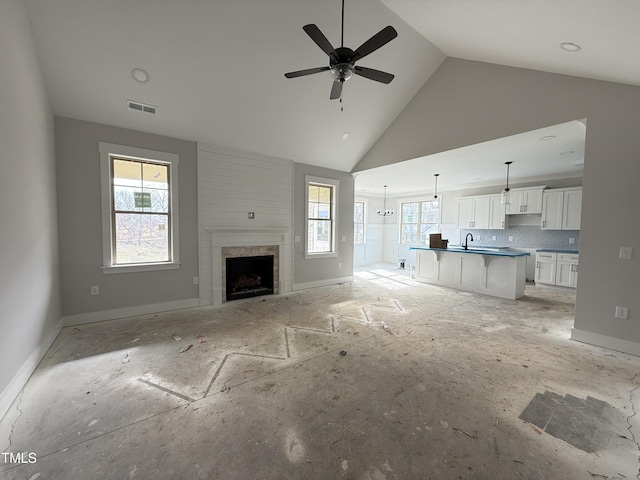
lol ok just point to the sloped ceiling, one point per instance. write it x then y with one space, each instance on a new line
217 71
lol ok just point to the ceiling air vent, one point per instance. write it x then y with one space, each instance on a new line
140 107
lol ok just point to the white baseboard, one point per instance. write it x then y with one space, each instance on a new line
321 283
20 379
101 316
612 343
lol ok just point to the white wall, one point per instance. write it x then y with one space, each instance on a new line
29 277
448 112
232 183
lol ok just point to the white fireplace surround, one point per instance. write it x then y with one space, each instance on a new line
230 236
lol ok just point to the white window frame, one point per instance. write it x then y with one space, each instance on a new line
419 223
107 152
364 222
325 182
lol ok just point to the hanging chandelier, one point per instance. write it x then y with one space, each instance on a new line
385 211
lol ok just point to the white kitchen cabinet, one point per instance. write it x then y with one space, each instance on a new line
473 212
497 213
525 201
572 209
546 268
552 206
561 209
567 270
557 269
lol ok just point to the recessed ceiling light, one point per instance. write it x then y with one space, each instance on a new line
345 135
547 137
140 75
570 47
568 152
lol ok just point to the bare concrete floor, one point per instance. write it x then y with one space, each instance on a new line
258 389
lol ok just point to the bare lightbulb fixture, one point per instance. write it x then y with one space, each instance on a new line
506 198
435 192
385 211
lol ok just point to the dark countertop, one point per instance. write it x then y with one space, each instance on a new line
557 250
474 251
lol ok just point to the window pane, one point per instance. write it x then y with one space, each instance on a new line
429 212
410 212
409 234
141 238
159 201
358 212
324 210
324 194
127 172
319 236
124 198
358 233
313 193
155 176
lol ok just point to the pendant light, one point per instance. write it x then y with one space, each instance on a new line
506 198
435 193
385 211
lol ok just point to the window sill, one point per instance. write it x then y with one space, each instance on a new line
320 255
145 267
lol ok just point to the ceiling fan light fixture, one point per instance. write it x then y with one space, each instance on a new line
341 72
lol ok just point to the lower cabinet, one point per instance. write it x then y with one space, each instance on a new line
557 269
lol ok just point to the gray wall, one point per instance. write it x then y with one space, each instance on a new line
79 206
320 270
29 277
468 102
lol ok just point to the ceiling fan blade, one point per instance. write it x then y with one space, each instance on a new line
372 74
336 90
317 36
308 71
381 38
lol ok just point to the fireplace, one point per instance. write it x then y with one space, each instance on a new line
249 276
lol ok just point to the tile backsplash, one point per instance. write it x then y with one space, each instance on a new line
525 236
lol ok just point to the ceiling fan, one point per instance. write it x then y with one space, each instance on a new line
342 60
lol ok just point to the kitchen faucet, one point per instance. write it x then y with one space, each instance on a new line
467 239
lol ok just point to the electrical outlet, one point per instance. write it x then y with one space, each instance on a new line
296 238
339 264
572 240
344 238
622 313
95 290
510 238
493 237
625 253
196 280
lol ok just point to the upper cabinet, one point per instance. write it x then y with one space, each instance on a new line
561 209
473 212
525 201
497 213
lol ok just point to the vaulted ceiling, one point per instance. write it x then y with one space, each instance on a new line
216 67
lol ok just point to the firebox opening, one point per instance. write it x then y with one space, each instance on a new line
249 276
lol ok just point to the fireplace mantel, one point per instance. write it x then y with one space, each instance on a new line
223 236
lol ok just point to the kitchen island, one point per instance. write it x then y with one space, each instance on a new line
496 273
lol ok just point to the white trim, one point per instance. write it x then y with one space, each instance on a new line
605 341
322 283
11 392
329 182
116 313
106 151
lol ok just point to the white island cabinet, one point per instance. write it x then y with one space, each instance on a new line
499 274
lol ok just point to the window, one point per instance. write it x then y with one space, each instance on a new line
418 220
139 209
358 222
321 216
